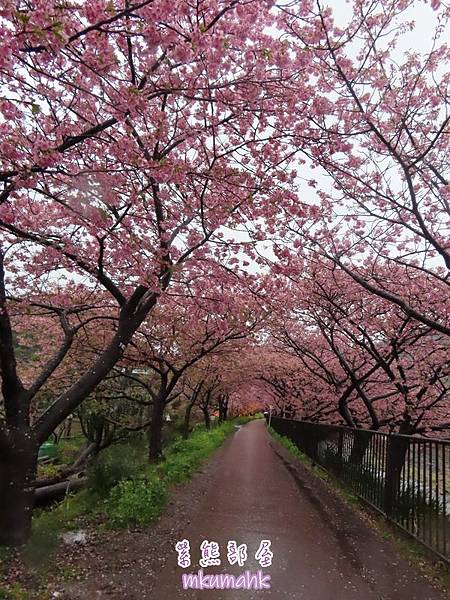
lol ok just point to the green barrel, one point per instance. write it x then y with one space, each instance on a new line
47 450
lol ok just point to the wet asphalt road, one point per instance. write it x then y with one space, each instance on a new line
321 549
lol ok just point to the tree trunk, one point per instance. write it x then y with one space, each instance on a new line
361 442
155 430
187 419
223 408
19 444
397 448
207 418
18 466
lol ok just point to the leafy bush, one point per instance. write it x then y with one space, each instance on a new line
178 468
136 501
112 466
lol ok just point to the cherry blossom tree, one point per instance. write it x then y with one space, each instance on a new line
131 134
377 148
359 356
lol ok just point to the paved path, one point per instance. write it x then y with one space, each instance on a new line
322 550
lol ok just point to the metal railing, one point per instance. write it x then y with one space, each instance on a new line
407 478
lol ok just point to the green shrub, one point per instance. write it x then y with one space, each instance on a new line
178 468
136 501
112 466
139 499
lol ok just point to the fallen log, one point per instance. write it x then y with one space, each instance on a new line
70 470
62 477
52 493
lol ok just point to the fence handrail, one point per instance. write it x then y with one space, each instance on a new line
416 437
